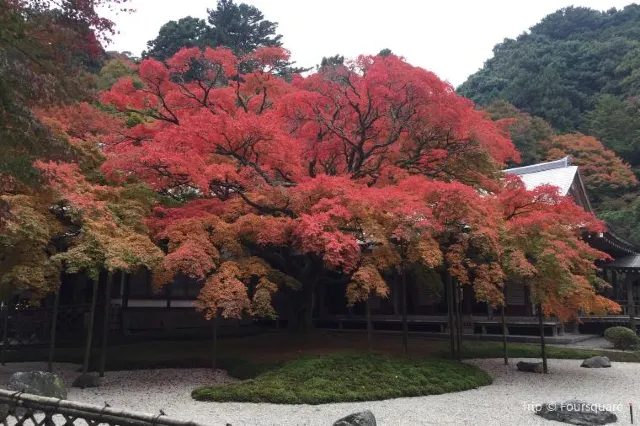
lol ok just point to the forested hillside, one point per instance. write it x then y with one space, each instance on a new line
578 70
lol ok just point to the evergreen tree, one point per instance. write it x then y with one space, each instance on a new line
238 27
174 35
616 123
241 28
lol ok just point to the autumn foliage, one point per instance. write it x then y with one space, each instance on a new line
76 223
600 167
543 248
359 169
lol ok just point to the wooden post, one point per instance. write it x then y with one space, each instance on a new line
630 304
5 328
105 324
54 325
92 314
449 290
543 349
405 324
369 323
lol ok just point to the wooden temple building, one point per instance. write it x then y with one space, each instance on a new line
428 307
137 309
620 273
142 309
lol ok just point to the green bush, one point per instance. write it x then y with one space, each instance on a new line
621 337
345 378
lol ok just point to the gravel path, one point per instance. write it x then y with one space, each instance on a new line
598 343
503 403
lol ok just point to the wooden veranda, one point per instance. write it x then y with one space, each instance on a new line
625 274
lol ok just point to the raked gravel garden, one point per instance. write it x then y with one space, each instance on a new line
509 400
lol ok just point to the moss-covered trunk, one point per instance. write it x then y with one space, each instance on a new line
543 348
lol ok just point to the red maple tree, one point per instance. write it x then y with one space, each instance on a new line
357 169
600 167
544 248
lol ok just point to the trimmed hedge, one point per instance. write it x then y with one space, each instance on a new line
621 337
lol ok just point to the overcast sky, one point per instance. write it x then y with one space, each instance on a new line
453 38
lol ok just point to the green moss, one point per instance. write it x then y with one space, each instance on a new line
344 378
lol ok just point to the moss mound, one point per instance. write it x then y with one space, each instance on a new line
346 378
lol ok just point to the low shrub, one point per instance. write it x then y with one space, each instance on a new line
622 337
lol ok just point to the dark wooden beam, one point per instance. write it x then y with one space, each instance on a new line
630 303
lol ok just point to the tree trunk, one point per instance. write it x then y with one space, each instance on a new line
54 325
630 306
543 349
309 301
126 285
405 324
504 335
301 308
105 324
458 302
369 324
92 314
214 346
449 289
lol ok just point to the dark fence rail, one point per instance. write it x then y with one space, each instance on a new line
18 408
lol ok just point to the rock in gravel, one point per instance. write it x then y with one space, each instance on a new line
86 381
363 418
576 413
38 383
596 362
530 367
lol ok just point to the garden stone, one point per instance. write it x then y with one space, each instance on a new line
86 381
576 413
38 383
530 367
363 418
4 412
596 362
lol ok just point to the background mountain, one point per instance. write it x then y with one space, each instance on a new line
571 85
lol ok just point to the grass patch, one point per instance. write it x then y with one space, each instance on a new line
479 349
346 378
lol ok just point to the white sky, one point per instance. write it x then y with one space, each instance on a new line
452 38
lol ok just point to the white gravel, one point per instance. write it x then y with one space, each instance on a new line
503 403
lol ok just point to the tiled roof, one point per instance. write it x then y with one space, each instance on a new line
558 173
562 174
